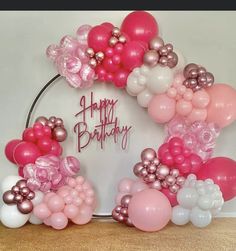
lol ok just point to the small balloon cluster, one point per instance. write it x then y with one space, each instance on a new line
197 77
71 59
75 201
21 195
49 172
198 201
200 136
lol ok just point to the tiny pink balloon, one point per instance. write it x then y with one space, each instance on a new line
138 186
82 34
118 197
171 92
178 80
84 215
161 108
69 43
183 107
58 220
200 99
125 184
197 115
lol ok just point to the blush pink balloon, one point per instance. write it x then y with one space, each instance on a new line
125 184
84 215
171 196
161 108
58 220
183 107
41 211
200 99
222 107
119 197
197 115
149 210
178 80
140 26
55 203
9 149
138 186
132 55
71 211
222 171
25 153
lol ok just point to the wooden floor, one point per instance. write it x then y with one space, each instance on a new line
107 235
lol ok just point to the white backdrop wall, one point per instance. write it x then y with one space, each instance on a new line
208 38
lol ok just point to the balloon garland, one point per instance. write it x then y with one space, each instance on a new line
179 181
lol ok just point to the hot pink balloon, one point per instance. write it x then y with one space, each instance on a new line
161 108
25 153
132 55
171 196
222 107
9 149
149 210
222 171
140 26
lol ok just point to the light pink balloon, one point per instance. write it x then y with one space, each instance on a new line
149 210
125 184
71 211
183 107
47 196
58 220
55 203
41 211
200 99
119 197
161 108
138 186
222 107
197 115
47 221
84 215
178 80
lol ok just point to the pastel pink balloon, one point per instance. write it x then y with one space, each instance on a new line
183 107
47 221
71 211
119 197
47 196
82 34
55 203
25 153
84 215
171 196
171 92
138 186
149 210
140 26
197 115
58 220
200 99
125 184
69 43
161 108
9 149
132 55
41 211
222 107
178 80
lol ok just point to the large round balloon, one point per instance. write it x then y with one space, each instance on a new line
222 171
140 26
222 107
149 210
9 149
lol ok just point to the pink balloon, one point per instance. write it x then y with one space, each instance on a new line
47 196
56 148
149 210
47 221
9 149
20 171
132 55
125 184
69 43
197 115
29 135
183 107
120 78
222 171
138 186
45 144
71 211
119 197
161 108
222 107
58 220
140 26
25 153
98 37
55 203
200 99
41 211
171 196
84 215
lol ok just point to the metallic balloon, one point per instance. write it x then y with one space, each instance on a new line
21 183
188 68
25 207
156 43
148 154
137 169
42 120
116 32
122 39
128 222
52 119
170 180
151 58
58 122
18 198
8 197
172 59
24 191
50 124
59 134
113 41
163 61
125 200
31 195
156 185
15 189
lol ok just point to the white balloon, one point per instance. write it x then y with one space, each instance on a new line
9 181
215 211
130 93
181 62
180 215
133 85
38 198
11 217
35 220
144 69
200 218
144 98
187 197
159 79
205 202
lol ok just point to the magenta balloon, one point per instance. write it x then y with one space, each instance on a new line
149 210
9 149
140 26
222 171
171 196
25 153
161 108
132 55
222 107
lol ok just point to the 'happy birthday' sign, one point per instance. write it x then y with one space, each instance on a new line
108 125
